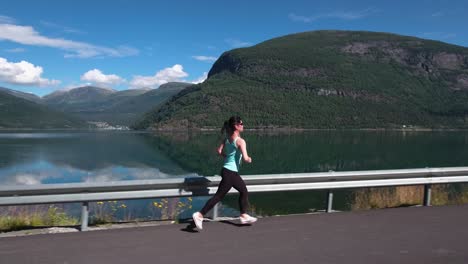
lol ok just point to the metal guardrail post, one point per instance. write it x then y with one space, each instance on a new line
84 216
427 194
330 201
216 210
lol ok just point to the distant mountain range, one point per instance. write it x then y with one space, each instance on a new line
17 112
82 105
106 105
328 79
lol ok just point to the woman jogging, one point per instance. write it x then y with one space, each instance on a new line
233 149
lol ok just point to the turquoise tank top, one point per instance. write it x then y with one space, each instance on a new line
233 155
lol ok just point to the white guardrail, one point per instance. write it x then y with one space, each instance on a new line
204 186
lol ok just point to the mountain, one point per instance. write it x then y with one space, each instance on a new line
106 105
129 111
328 79
150 99
28 96
16 112
78 99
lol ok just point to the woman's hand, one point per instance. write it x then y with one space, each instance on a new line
220 151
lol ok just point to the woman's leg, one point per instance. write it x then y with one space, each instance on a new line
239 185
224 187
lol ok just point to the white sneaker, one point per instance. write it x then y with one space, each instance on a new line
198 220
248 220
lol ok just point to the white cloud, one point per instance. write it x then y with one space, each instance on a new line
23 73
201 78
236 43
173 74
97 77
62 28
438 14
205 58
351 15
15 50
343 15
6 20
26 35
298 18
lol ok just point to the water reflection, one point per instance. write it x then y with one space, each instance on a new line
35 135
28 158
323 151
33 158
44 173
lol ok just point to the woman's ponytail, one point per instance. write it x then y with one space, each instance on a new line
229 126
225 128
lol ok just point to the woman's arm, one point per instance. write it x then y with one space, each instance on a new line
243 147
220 150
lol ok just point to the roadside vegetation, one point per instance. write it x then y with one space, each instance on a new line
23 217
13 218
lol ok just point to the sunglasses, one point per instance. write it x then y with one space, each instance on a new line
241 124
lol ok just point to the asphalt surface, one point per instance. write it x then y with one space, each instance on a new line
402 235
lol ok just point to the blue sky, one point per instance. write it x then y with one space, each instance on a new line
126 44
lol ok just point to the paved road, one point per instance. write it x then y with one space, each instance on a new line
402 235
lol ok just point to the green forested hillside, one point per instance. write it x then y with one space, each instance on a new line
17 112
328 79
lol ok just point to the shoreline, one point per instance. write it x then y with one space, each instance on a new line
279 129
265 129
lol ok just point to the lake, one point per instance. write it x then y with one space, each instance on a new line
29 157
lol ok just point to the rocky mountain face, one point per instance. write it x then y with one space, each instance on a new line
430 59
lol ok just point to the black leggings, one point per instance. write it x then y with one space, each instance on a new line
229 179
